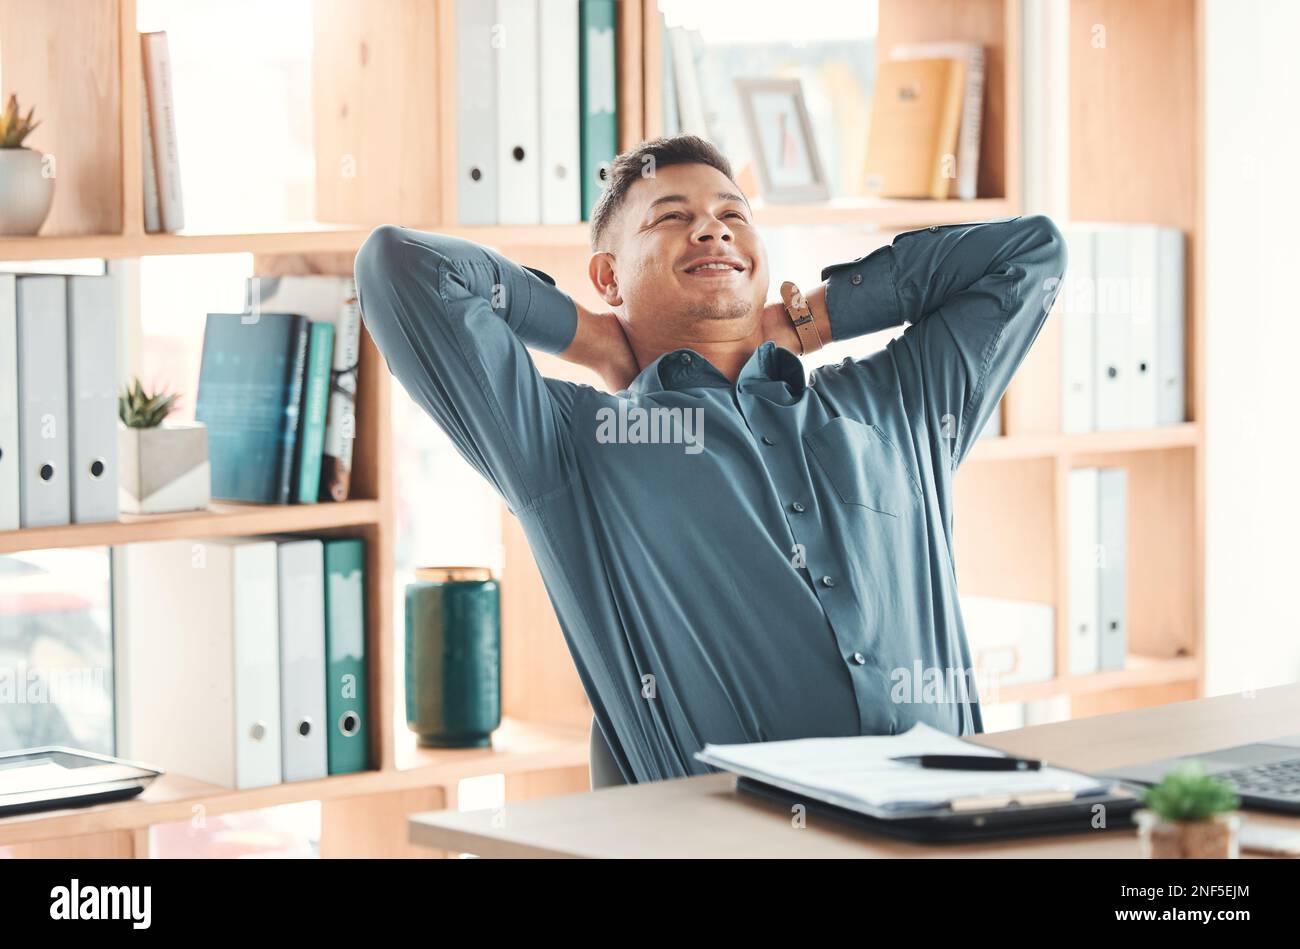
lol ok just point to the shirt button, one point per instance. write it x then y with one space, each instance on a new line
857 279
933 227
860 660
768 441
828 581
686 359
796 507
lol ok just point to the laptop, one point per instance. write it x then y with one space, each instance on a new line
1265 775
38 779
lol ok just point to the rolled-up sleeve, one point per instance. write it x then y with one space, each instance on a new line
976 296
453 321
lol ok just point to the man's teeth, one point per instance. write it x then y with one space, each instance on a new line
712 267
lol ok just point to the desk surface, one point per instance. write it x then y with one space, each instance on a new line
707 817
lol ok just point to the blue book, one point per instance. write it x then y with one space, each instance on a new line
250 397
315 400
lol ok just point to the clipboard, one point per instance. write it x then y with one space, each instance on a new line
976 819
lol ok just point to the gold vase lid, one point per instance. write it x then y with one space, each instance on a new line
453 574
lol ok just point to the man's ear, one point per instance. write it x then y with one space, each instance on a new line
601 271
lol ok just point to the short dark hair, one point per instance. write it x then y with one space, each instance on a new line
654 154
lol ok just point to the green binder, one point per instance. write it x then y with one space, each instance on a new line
345 655
598 97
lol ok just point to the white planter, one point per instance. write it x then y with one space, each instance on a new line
25 193
164 469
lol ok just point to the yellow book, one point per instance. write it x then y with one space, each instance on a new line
915 116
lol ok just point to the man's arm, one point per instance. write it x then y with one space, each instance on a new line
452 320
976 296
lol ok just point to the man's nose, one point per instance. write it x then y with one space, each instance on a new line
712 230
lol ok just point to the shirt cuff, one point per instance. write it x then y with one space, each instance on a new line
861 296
550 320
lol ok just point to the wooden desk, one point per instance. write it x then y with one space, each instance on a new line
706 817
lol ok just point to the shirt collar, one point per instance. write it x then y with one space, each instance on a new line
684 368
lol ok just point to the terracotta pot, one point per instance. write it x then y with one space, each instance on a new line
1213 838
25 192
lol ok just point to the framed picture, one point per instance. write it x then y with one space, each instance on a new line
781 136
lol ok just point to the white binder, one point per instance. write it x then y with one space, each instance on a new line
476 103
1076 302
1011 641
43 401
92 399
198 685
1083 584
9 459
557 45
1157 327
302 659
519 182
1119 291
1112 531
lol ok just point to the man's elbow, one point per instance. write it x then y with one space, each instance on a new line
1049 243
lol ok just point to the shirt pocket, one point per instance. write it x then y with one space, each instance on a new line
864 466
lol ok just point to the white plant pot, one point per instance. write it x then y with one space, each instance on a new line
25 192
164 469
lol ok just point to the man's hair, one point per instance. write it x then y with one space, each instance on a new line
644 161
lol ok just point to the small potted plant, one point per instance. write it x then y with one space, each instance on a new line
1189 814
164 466
26 190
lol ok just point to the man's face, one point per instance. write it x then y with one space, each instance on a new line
673 223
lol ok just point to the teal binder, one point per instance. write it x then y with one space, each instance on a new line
598 97
345 656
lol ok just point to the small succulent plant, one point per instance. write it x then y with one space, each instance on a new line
140 409
1188 794
14 127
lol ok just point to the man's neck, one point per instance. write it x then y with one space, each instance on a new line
726 344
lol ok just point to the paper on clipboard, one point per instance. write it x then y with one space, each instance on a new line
856 773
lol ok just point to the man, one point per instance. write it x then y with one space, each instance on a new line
735 552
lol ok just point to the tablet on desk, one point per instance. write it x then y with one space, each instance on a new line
38 779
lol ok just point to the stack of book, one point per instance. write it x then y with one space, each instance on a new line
926 112
58 400
244 661
277 391
537 109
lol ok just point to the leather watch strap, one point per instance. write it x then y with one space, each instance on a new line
801 316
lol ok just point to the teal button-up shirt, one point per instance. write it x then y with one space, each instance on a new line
730 563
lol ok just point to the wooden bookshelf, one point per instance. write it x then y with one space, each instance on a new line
1135 156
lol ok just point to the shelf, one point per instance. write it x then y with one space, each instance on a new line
221 519
313 238
517 747
882 213
1138 671
1052 445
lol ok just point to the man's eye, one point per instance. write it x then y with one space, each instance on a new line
677 214
738 214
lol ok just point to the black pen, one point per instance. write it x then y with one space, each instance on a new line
971 762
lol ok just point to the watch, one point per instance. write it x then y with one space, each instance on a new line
801 316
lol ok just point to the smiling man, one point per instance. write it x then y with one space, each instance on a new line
793 576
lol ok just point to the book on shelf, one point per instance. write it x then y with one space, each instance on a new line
251 381
915 115
964 184
332 300
161 119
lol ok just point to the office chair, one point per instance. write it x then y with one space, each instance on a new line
601 763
